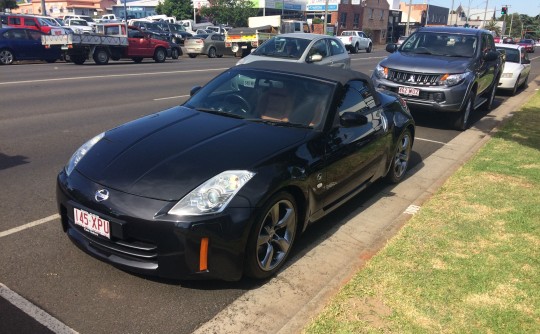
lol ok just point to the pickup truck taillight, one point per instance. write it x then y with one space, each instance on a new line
350 39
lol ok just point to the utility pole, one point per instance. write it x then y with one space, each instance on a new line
485 14
408 19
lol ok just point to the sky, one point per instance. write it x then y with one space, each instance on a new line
529 7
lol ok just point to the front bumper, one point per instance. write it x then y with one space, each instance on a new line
146 240
432 98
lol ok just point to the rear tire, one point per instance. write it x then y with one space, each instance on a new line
212 52
137 59
400 159
78 59
354 49
192 55
101 57
174 54
369 48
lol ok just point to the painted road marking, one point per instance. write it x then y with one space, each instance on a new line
111 76
35 312
29 225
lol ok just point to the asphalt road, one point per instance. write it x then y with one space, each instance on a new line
46 112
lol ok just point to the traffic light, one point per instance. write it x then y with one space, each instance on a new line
504 10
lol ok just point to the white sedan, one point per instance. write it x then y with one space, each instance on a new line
516 69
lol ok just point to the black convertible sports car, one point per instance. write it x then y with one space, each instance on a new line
222 185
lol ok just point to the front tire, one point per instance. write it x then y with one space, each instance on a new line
174 54
516 87
78 59
462 120
400 159
192 55
488 105
271 237
6 57
160 55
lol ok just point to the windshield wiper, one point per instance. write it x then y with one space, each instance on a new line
219 112
278 123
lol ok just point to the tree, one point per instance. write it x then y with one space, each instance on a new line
8 4
492 26
230 12
180 9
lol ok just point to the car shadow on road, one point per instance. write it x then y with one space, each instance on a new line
7 161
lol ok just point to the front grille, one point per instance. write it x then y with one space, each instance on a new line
134 250
414 79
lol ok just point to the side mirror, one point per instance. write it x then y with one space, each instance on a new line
349 119
194 90
526 61
314 58
491 55
392 47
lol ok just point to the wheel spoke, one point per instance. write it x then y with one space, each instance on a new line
283 244
266 262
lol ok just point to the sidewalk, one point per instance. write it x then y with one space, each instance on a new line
287 302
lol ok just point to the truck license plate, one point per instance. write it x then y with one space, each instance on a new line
410 91
92 223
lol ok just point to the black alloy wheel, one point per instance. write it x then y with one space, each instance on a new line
400 159
212 52
271 237
160 55
101 57
462 117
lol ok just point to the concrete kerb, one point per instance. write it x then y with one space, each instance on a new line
286 303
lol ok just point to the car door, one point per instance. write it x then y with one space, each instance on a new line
525 63
139 44
338 53
487 68
354 153
363 41
219 43
20 43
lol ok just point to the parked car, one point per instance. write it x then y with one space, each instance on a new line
210 44
24 44
401 39
302 48
355 40
528 44
40 23
152 27
79 26
516 68
177 31
230 178
174 51
443 70
87 18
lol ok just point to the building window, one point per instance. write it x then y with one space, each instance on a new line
382 14
356 21
343 20
370 13
344 2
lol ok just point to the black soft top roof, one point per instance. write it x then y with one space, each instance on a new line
335 74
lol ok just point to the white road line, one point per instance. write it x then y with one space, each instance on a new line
32 224
35 312
431 141
172 97
110 76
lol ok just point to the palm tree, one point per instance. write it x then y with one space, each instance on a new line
492 26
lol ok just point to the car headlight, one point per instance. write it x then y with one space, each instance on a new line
81 152
381 72
507 75
213 195
453 79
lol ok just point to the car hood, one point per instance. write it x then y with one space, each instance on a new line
166 155
410 62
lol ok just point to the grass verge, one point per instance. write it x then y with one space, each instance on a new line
469 261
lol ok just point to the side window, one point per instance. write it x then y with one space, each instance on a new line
29 22
319 48
15 21
358 98
336 47
34 35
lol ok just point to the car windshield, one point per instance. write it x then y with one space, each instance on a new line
78 22
87 18
177 27
283 47
441 44
260 96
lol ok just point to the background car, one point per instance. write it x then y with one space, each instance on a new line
177 31
231 177
302 48
210 44
528 44
24 44
516 68
79 26
401 39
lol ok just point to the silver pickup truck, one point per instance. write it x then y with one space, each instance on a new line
355 40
